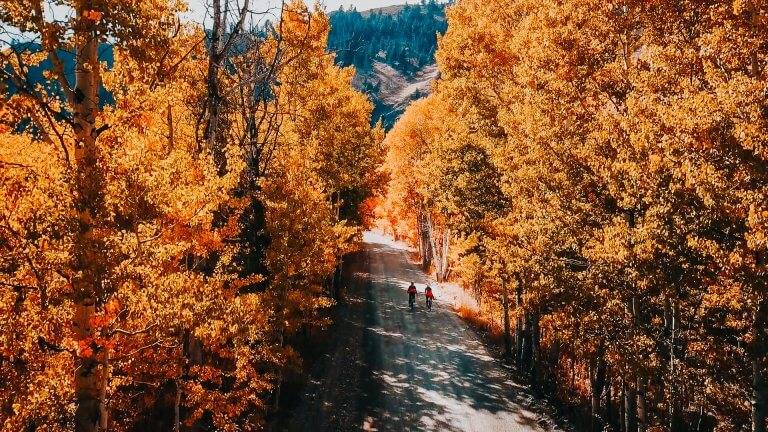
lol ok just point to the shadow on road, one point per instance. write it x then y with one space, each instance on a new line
393 369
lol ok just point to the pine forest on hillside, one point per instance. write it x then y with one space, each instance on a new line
178 213
405 38
393 52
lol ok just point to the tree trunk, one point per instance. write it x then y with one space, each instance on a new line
507 332
553 362
91 367
758 352
597 371
630 409
446 247
213 87
439 250
90 376
623 407
279 385
433 244
608 400
424 243
519 321
536 354
642 415
176 407
675 415
526 348
641 381
337 278
701 418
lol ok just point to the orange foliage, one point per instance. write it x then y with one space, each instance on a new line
624 144
134 227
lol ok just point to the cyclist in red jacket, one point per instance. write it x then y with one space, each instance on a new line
430 296
412 295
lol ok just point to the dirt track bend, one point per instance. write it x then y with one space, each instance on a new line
390 369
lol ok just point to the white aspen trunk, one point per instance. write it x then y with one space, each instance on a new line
642 416
519 321
608 398
675 419
444 257
424 244
215 58
91 367
507 330
759 396
433 244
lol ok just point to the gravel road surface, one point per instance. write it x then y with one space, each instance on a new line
393 369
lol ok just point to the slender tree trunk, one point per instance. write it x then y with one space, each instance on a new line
192 355
439 249
91 368
337 278
758 400
573 373
424 243
642 416
608 400
446 246
213 86
525 350
176 408
675 415
433 244
169 121
536 354
597 371
759 395
701 418
623 407
88 374
279 385
507 331
519 321
422 252
640 384
630 408
553 362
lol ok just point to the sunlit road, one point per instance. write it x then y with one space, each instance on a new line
392 369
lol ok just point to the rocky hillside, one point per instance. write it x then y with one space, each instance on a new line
392 90
393 49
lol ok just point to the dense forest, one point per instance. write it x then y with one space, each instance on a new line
405 37
596 174
175 210
162 251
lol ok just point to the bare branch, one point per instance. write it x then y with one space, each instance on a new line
131 333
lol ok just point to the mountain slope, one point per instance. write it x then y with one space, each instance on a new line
392 91
393 50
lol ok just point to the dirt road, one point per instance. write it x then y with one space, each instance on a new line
392 369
